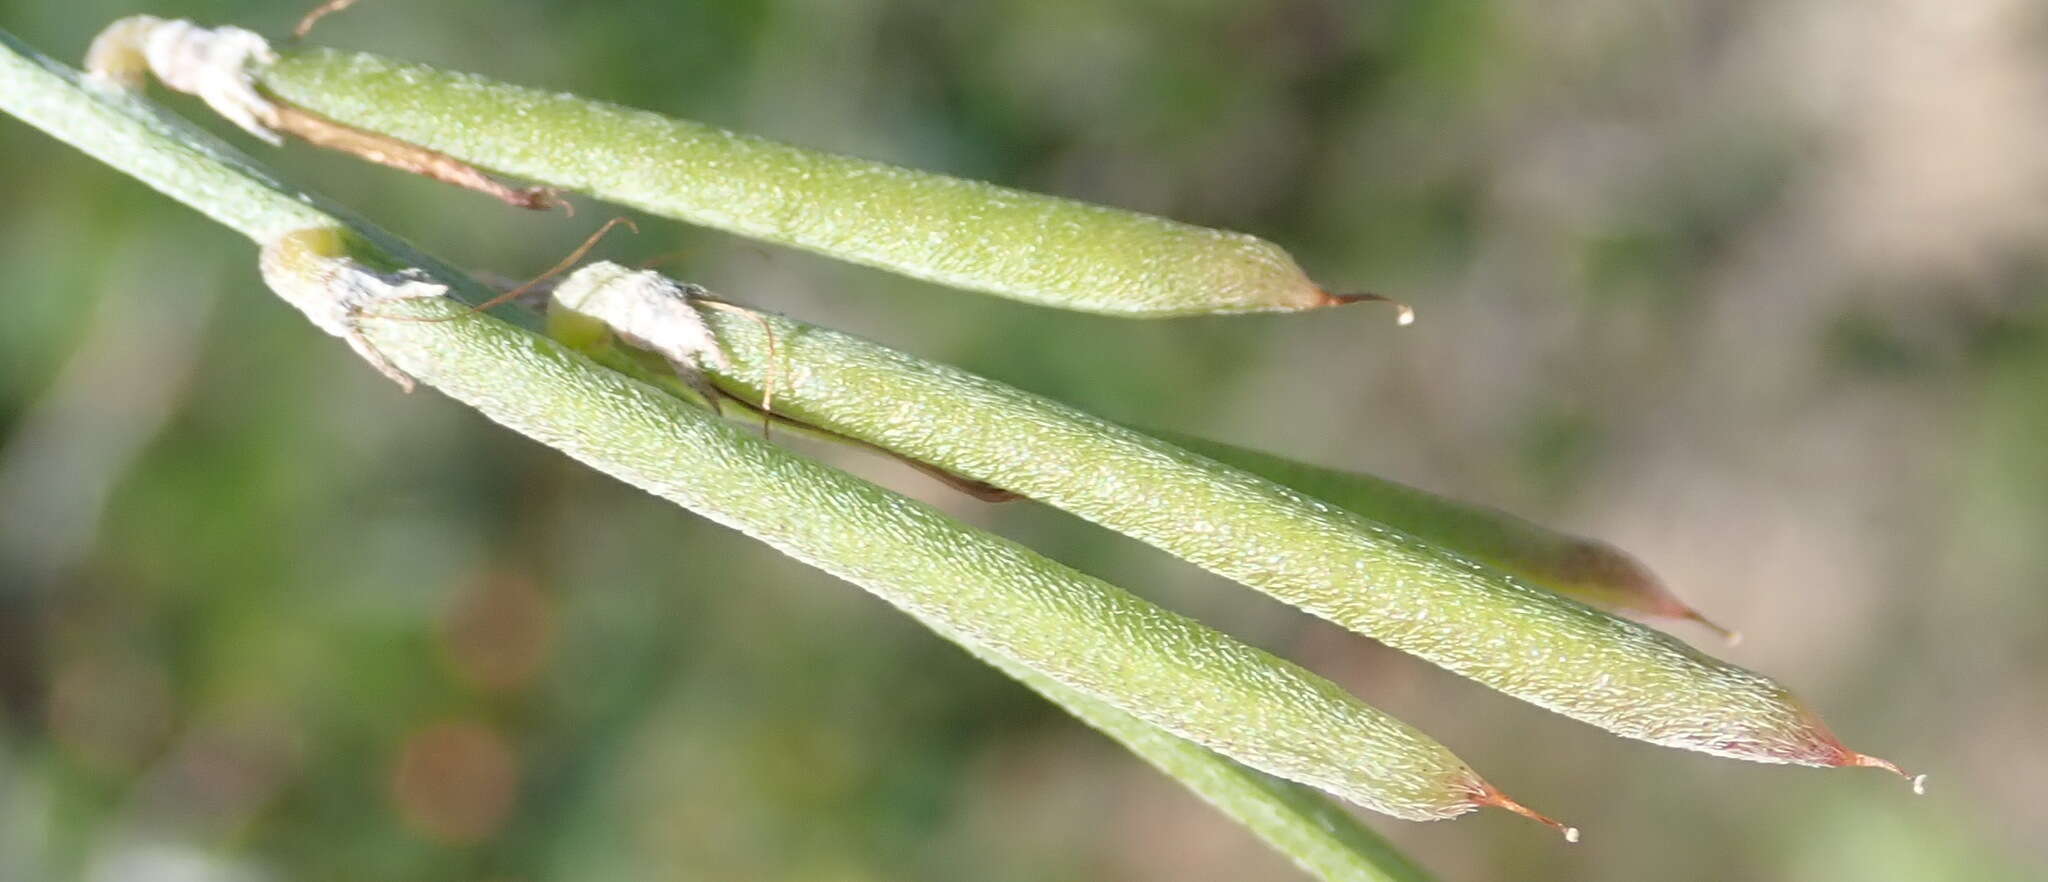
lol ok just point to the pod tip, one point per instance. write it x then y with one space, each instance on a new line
1489 796
1404 315
1728 635
1919 782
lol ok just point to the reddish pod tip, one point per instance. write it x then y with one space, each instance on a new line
1404 315
1919 782
1728 635
1487 795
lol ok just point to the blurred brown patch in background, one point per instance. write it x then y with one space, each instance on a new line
1752 290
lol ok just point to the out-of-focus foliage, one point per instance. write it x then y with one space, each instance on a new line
1752 291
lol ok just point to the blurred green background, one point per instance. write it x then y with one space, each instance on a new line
1753 290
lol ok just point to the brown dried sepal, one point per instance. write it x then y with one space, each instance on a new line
405 156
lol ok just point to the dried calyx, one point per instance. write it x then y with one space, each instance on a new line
217 65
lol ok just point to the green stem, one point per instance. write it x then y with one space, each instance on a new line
186 163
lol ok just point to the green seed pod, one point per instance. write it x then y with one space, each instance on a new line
1409 594
1087 635
968 234
1587 570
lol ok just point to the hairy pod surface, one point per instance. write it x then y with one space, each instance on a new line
1386 584
1583 569
1164 668
967 234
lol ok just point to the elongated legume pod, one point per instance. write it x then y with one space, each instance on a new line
1164 668
1587 570
1407 593
968 234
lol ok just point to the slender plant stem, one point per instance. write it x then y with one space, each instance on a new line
192 166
